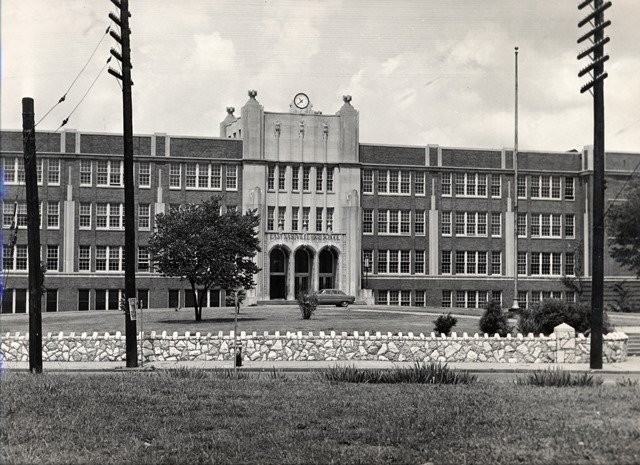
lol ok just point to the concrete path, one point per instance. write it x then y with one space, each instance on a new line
631 366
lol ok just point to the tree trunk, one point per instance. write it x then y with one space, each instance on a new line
203 293
196 307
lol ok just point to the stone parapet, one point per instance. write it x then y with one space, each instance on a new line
563 346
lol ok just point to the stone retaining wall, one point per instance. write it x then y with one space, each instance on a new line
563 346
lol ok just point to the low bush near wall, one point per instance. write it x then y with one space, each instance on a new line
543 317
559 378
420 373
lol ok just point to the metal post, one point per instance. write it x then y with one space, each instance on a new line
33 236
515 305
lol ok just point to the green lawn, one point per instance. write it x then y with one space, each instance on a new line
260 319
143 418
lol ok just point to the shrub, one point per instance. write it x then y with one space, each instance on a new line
559 378
622 299
494 320
444 323
546 315
308 302
420 373
627 382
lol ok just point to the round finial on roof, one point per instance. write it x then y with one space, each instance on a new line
230 110
346 98
253 93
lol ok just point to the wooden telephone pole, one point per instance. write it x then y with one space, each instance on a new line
129 205
33 236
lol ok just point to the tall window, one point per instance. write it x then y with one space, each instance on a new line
295 217
418 225
522 263
405 261
367 221
85 216
109 216
496 185
445 223
330 179
85 172
231 176
144 174
53 215
405 221
522 225
405 182
569 264
383 182
329 217
383 226
568 189
305 217
306 174
319 181
418 182
175 175
144 214
282 212
319 218
282 178
216 177
295 178
445 184
367 182
53 174
496 224
84 258
382 261
496 262
394 182
52 257
418 266
270 219
144 262
522 187
569 225
445 262
271 177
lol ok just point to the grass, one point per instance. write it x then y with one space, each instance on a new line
161 418
421 373
559 378
260 319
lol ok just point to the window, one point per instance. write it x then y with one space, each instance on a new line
471 262
382 298
282 212
445 223
367 260
329 217
482 224
144 264
522 187
83 299
53 174
418 266
144 174
52 258
545 225
496 224
394 182
418 182
271 177
383 226
175 175
319 181
144 213
482 184
568 189
523 301
367 221
39 165
270 219
109 216
405 261
84 258
420 298
555 187
216 177
445 184
295 178
545 187
405 221
496 262
460 224
53 215
330 179
569 264
85 172
319 218
14 258
459 180
418 226
382 261
115 173
383 185
109 173
108 299
470 185
546 263
522 225
393 298
231 175
9 166
367 182
446 299
405 298
305 217
405 182
196 176
295 218
569 225
282 178
471 224
445 262
522 263
305 178
496 185
21 257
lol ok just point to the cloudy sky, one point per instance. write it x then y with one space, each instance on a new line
420 72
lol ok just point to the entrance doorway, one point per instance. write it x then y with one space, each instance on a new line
328 260
278 273
303 261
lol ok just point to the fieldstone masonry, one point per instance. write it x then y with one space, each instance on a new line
563 346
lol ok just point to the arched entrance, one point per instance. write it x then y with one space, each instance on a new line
303 266
328 262
278 264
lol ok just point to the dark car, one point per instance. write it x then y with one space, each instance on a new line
334 297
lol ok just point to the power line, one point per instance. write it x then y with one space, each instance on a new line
622 189
64 96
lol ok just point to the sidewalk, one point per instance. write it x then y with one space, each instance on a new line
631 366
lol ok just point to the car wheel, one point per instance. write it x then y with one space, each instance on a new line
344 304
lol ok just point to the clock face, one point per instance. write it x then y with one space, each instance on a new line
301 101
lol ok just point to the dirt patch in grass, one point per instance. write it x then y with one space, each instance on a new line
150 418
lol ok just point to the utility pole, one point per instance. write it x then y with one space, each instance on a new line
596 70
33 236
129 205
515 305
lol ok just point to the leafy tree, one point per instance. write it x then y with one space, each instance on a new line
624 229
209 249
494 320
575 282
